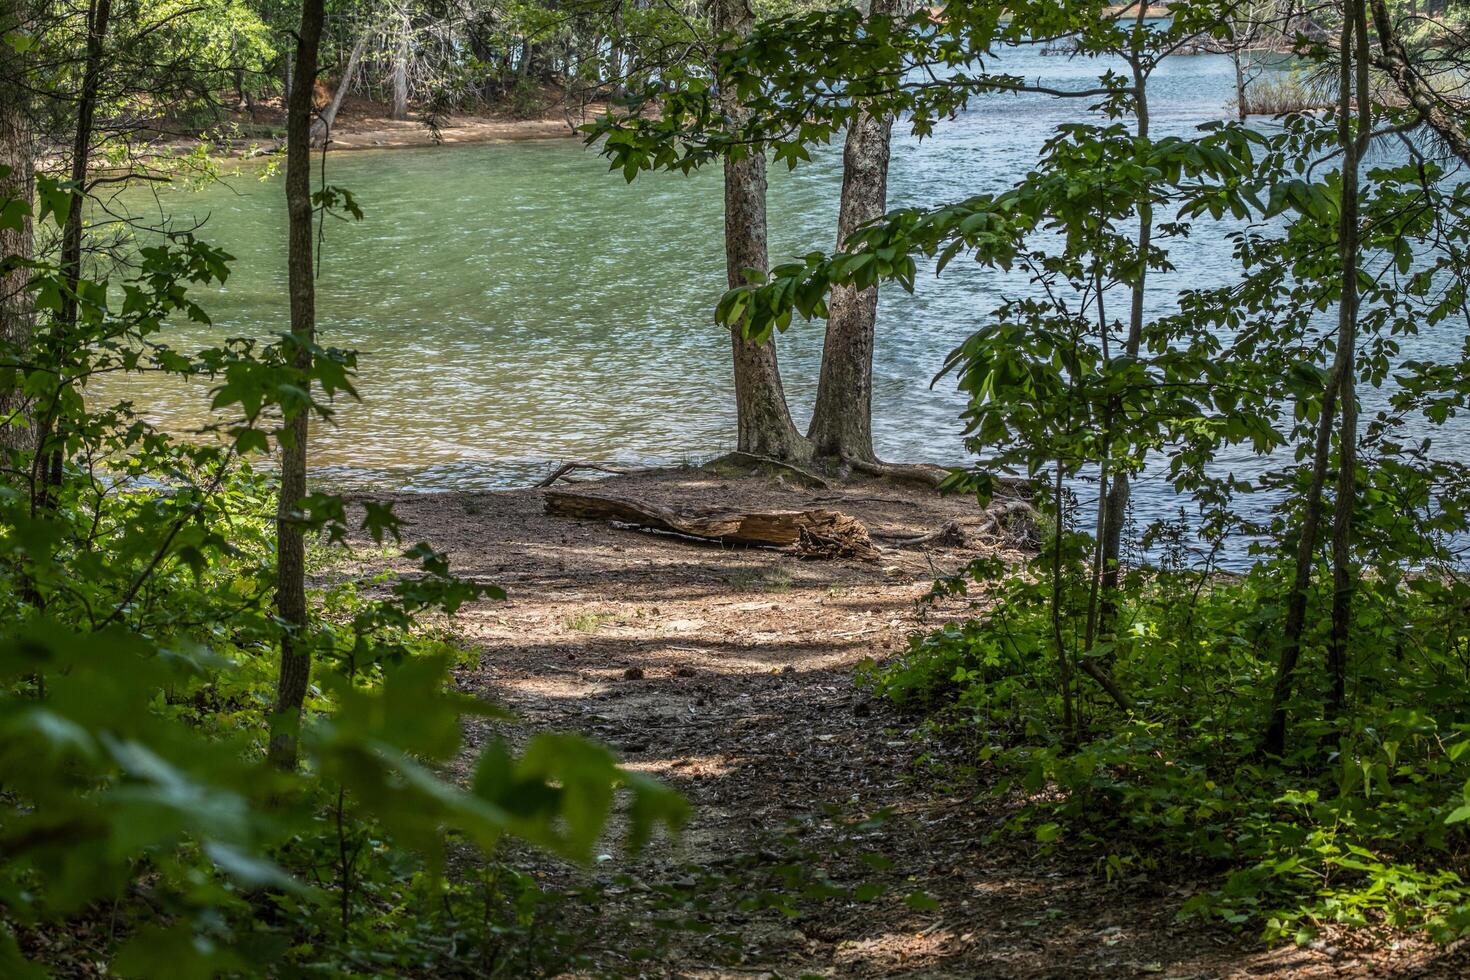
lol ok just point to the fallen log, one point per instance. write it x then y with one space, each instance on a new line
809 533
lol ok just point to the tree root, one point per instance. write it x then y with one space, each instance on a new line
951 534
925 474
751 459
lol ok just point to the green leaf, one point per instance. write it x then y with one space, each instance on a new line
921 902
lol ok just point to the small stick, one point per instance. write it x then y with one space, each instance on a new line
570 467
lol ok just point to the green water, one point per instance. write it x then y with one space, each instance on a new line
516 304
511 304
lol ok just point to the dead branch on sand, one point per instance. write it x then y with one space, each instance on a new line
573 466
951 534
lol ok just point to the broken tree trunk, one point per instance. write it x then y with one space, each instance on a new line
810 533
322 128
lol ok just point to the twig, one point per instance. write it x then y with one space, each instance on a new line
561 471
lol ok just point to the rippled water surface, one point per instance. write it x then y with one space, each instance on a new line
516 303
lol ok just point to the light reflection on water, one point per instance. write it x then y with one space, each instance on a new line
516 303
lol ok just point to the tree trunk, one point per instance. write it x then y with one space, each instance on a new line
323 125
290 543
616 78
1119 490
1344 579
763 423
842 422
523 67
400 76
1240 107
17 155
47 465
1339 384
1395 59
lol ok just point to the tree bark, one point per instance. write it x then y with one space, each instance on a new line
17 155
763 422
400 75
616 78
1344 578
1339 387
323 125
1395 60
47 463
1240 104
290 543
842 422
1118 487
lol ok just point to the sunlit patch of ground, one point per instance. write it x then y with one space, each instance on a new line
728 673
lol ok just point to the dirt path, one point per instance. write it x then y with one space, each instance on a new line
729 673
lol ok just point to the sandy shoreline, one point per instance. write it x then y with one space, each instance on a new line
387 134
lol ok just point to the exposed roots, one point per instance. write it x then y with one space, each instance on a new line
949 534
747 461
924 474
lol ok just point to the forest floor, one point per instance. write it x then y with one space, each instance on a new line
729 673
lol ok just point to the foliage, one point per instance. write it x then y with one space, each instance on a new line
1362 824
138 657
1349 823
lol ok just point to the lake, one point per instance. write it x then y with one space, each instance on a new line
516 304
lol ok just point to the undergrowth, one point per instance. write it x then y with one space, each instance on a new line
1363 821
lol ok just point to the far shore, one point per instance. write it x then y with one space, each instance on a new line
382 133
366 125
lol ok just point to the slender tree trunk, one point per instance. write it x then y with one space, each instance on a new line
400 75
98 16
1344 576
290 543
17 155
842 422
616 76
764 425
1119 489
47 465
1240 106
1064 658
1354 35
323 125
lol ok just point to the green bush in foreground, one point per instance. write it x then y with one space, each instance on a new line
140 823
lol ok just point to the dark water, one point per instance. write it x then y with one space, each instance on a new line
516 304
